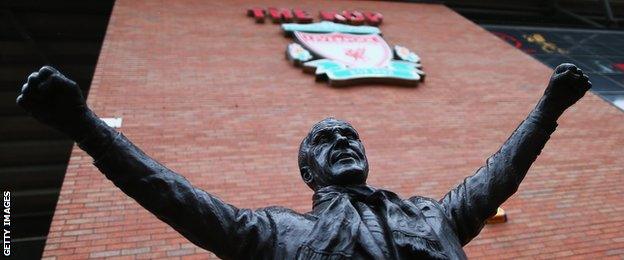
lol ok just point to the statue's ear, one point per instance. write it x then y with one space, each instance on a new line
306 175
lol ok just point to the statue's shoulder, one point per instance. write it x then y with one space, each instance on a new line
281 213
422 202
288 223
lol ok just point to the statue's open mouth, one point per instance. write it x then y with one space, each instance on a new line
340 155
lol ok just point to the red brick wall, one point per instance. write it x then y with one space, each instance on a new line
207 92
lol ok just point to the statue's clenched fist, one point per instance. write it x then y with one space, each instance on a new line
54 100
567 85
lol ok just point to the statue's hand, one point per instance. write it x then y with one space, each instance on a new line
567 85
54 100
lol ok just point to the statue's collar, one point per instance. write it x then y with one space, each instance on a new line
324 196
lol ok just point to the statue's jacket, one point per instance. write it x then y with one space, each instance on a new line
357 222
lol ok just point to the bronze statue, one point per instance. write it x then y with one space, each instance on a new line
349 219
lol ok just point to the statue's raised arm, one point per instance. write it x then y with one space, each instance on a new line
204 219
478 196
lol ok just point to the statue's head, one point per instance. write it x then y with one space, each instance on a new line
332 154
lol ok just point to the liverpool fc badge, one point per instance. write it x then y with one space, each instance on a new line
347 55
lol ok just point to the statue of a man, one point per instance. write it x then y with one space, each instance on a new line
348 220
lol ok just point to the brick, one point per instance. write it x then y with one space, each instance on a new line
105 253
135 251
180 252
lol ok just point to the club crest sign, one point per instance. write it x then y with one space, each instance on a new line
348 54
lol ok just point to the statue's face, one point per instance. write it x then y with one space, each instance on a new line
336 156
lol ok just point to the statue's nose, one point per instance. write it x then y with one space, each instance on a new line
341 139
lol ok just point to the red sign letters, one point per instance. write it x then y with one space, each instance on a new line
285 15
